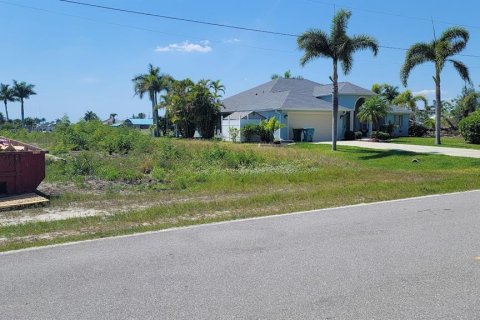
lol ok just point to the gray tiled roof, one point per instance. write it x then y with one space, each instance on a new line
242 114
279 94
345 88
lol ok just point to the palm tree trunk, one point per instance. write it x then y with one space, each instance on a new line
156 132
155 120
6 109
335 105
438 110
23 114
166 126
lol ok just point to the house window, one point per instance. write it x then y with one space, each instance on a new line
399 120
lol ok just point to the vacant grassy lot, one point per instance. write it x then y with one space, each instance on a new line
453 142
177 182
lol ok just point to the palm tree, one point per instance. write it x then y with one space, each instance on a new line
339 47
390 92
152 83
23 91
439 51
90 116
7 94
372 110
408 100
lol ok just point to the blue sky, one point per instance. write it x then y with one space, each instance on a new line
83 59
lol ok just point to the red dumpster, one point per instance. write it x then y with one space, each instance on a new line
22 167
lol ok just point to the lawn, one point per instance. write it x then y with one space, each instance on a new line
451 142
201 181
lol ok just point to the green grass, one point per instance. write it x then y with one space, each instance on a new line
202 181
451 142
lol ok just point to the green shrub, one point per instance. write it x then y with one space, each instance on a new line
417 130
470 127
429 123
158 173
118 172
122 141
249 131
170 154
388 128
83 164
380 135
358 135
349 135
230 159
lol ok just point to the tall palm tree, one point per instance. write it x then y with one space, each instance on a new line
7 94
152 83
439 51
373 109
338 47
23 91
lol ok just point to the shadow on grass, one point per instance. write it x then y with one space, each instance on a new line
370 154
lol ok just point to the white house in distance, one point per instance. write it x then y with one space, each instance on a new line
301 103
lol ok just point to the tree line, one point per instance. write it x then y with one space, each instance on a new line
189 105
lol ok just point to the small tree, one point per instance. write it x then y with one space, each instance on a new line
267 128
372 110
234 134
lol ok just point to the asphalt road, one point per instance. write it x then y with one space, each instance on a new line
413 259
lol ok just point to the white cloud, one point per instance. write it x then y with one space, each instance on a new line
187 46
231 41
425 92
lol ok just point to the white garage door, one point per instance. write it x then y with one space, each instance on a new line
321 121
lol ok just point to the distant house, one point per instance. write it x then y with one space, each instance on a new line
111 120
301 103
138 123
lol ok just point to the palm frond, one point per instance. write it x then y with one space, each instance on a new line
421 98
339 24
315 43
417 54
362 42
347 63
462 70
454 34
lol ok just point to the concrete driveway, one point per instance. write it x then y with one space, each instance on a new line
454 152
